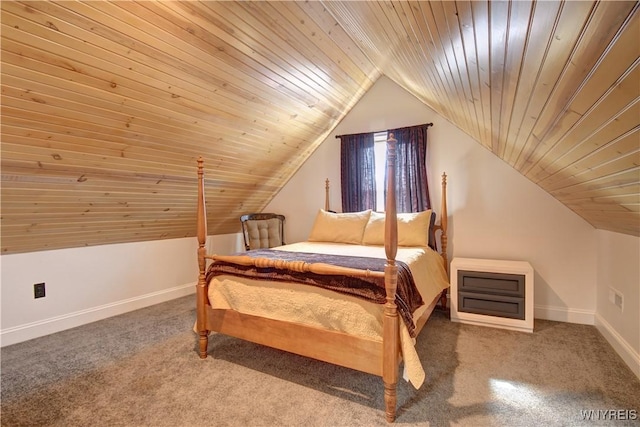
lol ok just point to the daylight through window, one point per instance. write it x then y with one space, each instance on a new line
380 156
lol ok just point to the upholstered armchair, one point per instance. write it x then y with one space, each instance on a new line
262 230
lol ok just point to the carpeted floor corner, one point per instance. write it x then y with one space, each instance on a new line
142 369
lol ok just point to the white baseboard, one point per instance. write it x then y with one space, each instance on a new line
626 352
52 325
564 314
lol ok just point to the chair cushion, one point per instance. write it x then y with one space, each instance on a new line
263 233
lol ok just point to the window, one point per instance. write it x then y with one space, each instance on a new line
363 170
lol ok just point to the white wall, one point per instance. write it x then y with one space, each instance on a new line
92 283
494 212
497 213
619 268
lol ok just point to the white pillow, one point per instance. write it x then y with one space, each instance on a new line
339 227
413 229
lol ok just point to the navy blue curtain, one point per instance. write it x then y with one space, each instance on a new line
412 189
357 172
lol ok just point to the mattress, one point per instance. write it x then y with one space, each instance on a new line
318 307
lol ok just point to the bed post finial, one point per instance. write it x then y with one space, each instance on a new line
326 195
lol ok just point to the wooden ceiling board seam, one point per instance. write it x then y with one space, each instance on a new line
625 163
611 134
516 43
83 220
585 43
10 56
343 63
60 139
605 201
387 34
291 57
61 135
353 21
127 108
572 78
425 79
324 17
561 43
314 59
21 170
213 180
629 191
629 78
480 13
21 193
91 35
605 154
469 57
458 110
441 102
97 199
625 143
176 84
402 36
605 185
81 163
614 61
286 81
498 21
61 111
425 73
11 119
133 226
43 107
25 148
597 120
222 122
544 16
460 70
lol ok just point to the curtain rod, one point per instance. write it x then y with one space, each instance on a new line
404 127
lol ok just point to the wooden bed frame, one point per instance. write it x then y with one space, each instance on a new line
363 354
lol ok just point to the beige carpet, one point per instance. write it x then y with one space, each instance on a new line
141 369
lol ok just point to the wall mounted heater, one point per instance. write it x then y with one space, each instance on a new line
495 293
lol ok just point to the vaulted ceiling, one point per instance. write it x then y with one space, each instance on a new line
107 105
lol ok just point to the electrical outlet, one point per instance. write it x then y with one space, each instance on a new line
39 290
619 300
616 298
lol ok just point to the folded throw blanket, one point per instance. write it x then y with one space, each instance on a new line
408 298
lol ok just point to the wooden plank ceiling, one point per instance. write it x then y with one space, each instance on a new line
107 105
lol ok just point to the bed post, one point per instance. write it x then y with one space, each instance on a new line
390 337
201 287
443 221
443 237
326 195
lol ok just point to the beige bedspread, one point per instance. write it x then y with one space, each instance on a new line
323 308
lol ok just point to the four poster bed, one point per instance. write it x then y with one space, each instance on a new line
361 309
